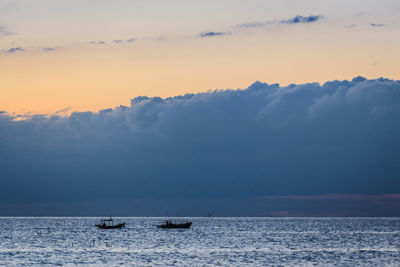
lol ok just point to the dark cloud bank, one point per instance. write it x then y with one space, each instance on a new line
264 150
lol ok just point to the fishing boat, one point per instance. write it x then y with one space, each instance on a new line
171 225
109 224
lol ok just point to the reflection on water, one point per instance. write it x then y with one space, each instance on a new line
210 241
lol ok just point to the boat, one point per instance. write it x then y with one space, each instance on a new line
109 224
171 225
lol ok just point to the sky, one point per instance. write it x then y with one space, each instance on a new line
190 108
90 55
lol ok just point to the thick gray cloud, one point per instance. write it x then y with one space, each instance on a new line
341 137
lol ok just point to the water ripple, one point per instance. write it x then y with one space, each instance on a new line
210 242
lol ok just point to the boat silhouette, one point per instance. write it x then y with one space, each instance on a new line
109 224
170 225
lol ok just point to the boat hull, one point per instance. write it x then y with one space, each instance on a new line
175 226
117 226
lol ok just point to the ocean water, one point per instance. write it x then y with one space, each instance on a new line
209 242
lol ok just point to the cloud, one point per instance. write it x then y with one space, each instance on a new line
256 24
302 19
211 34
15 49
343 205
295 20
377 25
338 138
4 32
98 42
338 197
49 49
130 40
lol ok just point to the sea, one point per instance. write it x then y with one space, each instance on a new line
211 241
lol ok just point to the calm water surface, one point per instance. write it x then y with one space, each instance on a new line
210 242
